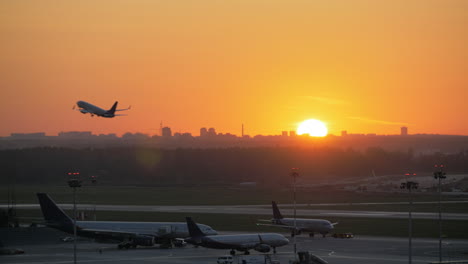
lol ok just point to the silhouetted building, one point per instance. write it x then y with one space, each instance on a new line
166 132
292 133
203 132
404 131
344 133
211 132
27 135
284 133
75 134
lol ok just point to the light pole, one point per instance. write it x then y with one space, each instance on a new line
409 185
440 174
94 181
74 182
294 174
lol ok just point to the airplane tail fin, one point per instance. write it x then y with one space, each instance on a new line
194 230
53 215
113 108
276 212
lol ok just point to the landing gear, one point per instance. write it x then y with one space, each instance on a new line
232 252
124 246
274 250
311 235
246 252
324 235
295 232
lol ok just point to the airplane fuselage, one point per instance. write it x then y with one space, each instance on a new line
86 107
309 225
156 229
243 241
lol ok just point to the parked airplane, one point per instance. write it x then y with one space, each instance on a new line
243 242
87 108
129 234
308 225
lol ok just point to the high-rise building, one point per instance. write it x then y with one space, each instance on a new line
404 131
211 132
292 133
166 132
344 133
284 133
203 132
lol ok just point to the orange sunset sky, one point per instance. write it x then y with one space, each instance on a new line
365 66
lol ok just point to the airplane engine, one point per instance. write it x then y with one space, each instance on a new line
264 248
144 241
83 111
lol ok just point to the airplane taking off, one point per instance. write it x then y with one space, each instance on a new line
129 234
87 108
262 242
308 225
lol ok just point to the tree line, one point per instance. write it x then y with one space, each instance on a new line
265 165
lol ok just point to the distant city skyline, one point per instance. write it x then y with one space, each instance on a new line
418 143
166 131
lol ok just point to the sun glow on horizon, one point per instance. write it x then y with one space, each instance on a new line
313 127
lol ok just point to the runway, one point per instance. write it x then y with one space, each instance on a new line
46 248
257 210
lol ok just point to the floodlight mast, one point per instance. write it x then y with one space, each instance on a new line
74 182
440 174
409 185
94 182
294 174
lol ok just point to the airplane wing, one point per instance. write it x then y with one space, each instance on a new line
114 234
111 233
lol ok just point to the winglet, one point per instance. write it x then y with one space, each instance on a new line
276 211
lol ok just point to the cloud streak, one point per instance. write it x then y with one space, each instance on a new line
382 122
327 100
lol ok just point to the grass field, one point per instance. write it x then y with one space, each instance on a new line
221 195
447 208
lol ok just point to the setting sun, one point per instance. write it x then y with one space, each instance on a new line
313 127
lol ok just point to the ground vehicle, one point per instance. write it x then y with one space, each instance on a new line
343 235
179 242
67 239
227 259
